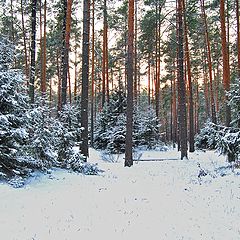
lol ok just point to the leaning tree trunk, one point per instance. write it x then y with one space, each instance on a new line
129 126
85 78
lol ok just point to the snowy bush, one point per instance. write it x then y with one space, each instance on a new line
76 163
111 122
225 139
207 138
111 126
30 138
146 128
229 143
234 103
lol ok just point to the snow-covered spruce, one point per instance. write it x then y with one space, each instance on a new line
225 139
13 104
30 139
76 164
111 131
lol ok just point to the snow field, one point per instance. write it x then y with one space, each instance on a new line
151 200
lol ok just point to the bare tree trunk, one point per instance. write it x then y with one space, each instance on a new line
213 109
238 37
174 108
33 50
238 49
75 71
206 88
104 53
190 90
181 83
129 126
59 82
226 68
85 78
135 56
44 53
64 64
69 86
92 76
25 44
149 80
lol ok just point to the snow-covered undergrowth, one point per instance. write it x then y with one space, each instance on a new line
172 199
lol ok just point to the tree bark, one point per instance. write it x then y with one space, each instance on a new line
226 68
25 44
85 78
135 87
129 126
213 109
104 62
33 50
92 75
44 53
238 51
190 90
67 12
181 87
64 64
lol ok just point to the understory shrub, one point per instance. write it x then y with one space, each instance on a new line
225 139
111 126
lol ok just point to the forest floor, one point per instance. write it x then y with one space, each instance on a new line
170 199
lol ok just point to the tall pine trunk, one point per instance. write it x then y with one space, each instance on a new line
226 67
129 125
135 87
44 51
64 64
181 86
85 78
33 50
190 90
209 58
238 51
92 75
104 58
25 44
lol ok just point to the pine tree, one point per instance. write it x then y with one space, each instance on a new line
129 124
85 78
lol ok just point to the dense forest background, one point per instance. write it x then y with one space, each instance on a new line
117 75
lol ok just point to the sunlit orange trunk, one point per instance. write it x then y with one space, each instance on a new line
226 68
209 58
149 80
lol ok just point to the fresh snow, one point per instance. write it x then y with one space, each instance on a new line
197 199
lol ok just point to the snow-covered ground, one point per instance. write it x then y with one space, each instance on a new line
170 199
